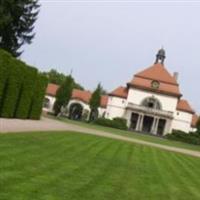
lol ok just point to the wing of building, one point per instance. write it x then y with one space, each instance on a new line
78 107
151 102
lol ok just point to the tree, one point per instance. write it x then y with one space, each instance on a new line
55 77
95 103
63 94
58 78
17 24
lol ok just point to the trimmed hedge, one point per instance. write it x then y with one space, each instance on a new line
119 123
4 69
22 89
191 138
38 98
13 87
26 93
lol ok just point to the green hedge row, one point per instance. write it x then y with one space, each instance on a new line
18 88
4 68
37 100
191 138
119 123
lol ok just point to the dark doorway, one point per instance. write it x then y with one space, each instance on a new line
161 126
75 111
93 114
147 124
134 120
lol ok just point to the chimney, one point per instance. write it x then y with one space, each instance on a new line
176 75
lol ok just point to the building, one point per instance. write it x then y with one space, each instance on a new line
78 107
151 102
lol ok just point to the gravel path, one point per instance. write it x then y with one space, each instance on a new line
46 124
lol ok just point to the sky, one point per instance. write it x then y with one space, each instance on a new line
108 41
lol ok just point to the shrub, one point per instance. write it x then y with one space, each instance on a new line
4 69
191 138
26 93
38 98
18 96
12 90
118 123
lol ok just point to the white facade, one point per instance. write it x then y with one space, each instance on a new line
175 119
115 107
50 100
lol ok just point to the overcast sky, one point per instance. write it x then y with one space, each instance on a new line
109 41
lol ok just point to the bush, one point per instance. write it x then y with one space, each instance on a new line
12 90
18 96
38 98
191 138
118 123
26 93
4 69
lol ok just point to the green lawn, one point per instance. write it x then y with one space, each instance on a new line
145 137
72 166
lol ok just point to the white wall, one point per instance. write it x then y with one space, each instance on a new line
52 101
137 96
182 121
115 107
83 104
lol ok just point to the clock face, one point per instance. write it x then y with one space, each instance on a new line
155 84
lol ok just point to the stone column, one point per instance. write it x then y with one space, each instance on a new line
138 123
141 122
154 126
167 127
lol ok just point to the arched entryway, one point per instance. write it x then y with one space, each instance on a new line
75 111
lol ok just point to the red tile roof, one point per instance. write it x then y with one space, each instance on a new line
121 92
183 105
76 94
157 72
194 120
52 89
81 95
167 83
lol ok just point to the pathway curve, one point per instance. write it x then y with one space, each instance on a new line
46 124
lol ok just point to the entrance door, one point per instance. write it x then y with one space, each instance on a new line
134 120
147 124
161 126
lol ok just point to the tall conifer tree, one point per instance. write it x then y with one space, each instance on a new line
95 103
17 18
63 94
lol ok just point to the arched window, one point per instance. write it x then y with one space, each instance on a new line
46 103
152 102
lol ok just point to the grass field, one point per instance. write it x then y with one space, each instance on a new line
145 137
62 166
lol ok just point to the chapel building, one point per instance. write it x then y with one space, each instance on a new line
151 102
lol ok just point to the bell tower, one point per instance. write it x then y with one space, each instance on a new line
160 56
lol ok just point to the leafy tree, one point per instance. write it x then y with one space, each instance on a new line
95 103
17 23
55 77
59 78
63 94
